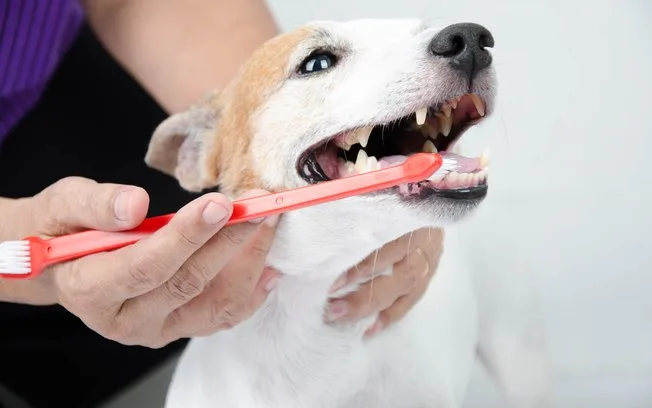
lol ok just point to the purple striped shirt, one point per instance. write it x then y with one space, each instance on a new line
34 35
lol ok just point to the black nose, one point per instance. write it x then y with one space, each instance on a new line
464 46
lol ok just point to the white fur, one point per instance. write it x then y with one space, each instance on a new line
285 356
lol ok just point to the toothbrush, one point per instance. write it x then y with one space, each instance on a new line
27 258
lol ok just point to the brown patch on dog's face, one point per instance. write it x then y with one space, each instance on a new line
229 159
209 144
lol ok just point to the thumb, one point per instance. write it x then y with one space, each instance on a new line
74 203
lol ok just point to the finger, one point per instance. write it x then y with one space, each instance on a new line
398 309
244 246
214 309
229 296
76 203
403 304
147 264
380 293
391 253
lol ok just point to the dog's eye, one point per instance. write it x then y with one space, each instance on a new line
317 62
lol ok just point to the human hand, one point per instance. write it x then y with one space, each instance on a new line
414 256
192 277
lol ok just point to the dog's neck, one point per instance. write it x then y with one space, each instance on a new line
312 248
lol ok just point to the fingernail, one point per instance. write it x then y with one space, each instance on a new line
214 213
257 220
336 310
121 206
271 284
339 284
375 329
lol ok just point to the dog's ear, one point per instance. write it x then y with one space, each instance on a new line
180 144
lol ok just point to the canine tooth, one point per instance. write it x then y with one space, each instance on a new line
361 161
421 116
447 110
446 123
363 135
479 105
484 158
429 147
453 103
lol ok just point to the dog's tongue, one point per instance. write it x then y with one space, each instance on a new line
464 164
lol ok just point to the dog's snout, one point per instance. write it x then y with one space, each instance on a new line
464 45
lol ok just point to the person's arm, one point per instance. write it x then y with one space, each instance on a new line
179 50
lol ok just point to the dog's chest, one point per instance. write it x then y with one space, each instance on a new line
285 356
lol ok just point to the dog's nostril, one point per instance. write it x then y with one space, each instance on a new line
464 45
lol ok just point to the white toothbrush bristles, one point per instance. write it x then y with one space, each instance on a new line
14 258
448 166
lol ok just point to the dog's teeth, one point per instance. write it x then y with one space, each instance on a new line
361 161
478 103
350 167
446 123
452 179
429 147
362 135
484 159
447 110
372 163
453 103
421 116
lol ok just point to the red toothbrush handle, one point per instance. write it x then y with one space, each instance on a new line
416 168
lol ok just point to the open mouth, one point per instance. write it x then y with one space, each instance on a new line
432 129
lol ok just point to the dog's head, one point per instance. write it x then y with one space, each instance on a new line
331 99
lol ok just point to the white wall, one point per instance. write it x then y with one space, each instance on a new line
569 183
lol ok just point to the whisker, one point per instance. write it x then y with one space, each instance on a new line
373 276
407 255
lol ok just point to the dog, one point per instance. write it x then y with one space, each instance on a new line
326 101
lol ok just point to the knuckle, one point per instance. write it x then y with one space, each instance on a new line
225 312
140 271
187 240
186 284
259 249
232 237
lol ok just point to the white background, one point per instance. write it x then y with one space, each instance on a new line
570 178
